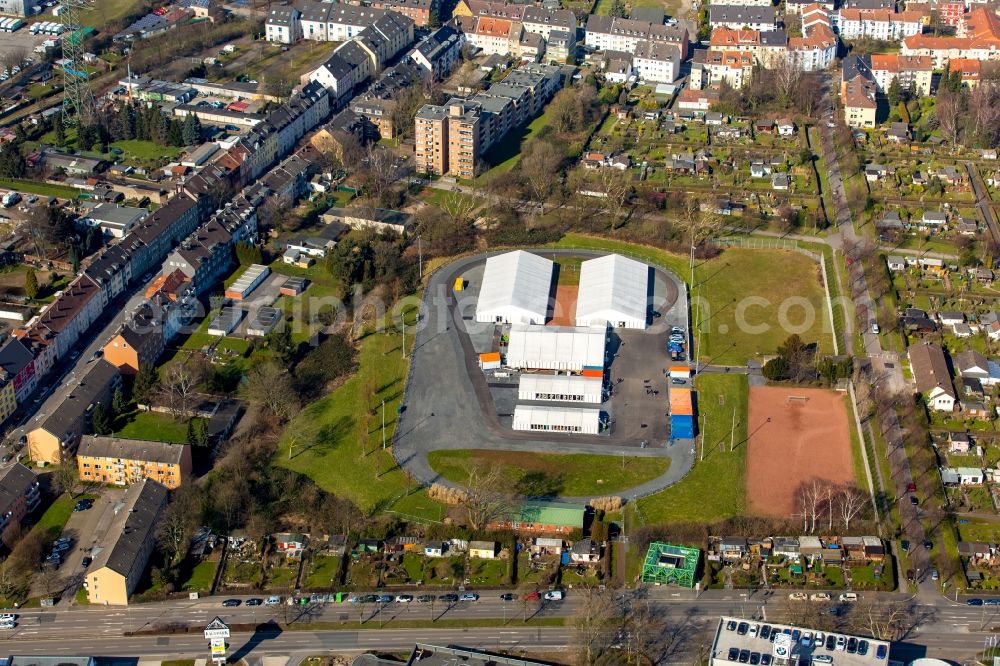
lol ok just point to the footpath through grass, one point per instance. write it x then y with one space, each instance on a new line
746 302
716 487
551 474
337 440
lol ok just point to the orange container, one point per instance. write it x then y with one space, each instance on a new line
680 402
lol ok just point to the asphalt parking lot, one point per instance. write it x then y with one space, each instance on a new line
449 405
87 529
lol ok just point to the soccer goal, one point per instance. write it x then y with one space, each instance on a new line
800 399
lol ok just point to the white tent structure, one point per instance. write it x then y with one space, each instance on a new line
515 289
557 419
565 388
613 290
556 347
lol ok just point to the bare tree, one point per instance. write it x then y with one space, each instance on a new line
885 620
618 190
786 79
488 496
66 477
269 386
810 500
647 632
539 167
461 208
378 171
178 388
592 623
851 501
178 524
949 112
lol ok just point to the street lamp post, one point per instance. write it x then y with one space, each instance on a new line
383 425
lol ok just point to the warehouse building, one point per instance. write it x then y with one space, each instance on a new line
613 290
565 388
224 322
557 419
556 347
516 289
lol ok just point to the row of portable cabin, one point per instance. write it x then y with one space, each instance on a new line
47 28
681 413
11 24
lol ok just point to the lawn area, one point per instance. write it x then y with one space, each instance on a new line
716 487
156 427
973 531
486 573
322 570
41 189
551 474
283 576
670 7
337 440
107 11
54 519
147 151
505 154
569 270
201 577
740 299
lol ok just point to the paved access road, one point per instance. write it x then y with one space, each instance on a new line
449 407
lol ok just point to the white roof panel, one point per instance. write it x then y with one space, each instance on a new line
520 280
612 288
587 419
556 347
560 384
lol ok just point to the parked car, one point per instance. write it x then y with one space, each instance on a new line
992 602
677 380
798 596
506 596
86 561
425 598
385 598
532 596
273 600
819 596
914 501
934 574
448 597
231 603
848 597
254 601
928 544
554 595
911 487
469 596
841 643
404 598
8 617
905 545
83 505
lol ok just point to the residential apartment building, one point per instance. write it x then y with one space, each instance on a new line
496 35
72 313
204 256
283 25
768 48
8 398
860 105
951 12
56 435
122 559
909 71
544 21
122 462
607 33
816 49
17 370
880 24
970 70
19 496
421 12
144 336
733 67
657 61
796 7
437 54
981 40
452 138
755 17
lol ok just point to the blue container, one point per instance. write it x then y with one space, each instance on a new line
681 426
565 558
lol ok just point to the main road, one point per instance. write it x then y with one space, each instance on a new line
942 627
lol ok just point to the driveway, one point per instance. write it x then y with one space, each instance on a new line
448 404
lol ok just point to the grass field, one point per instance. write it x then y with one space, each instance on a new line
54 519
201 577
156 427
147 151
716 487
740 299
506 154
41 189
550 474
337 440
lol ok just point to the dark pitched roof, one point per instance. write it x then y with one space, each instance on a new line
14 483
131 449
133 525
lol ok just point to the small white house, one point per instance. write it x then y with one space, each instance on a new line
935 218
959 442
962 476
896 263
950 318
